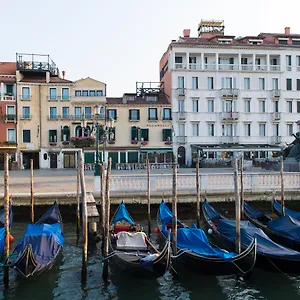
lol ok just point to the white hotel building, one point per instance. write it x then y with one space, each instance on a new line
232 95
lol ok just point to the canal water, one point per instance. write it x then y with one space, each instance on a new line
63 281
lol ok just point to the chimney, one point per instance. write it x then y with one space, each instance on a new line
186 32
287 30
63 74
47 77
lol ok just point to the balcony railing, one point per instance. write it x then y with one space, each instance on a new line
276 116
229 92
210 66
181 92
247 67
25 117
195 66
53 117
289 68
276 93
25 97
260 68
230 139
276 139
181 139
230 67
275 68
181 115
181 66
10 118
6 97
230 116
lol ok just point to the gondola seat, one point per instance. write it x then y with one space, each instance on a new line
131 240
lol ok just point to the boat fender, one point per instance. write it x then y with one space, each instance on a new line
11 238
150 257
209 231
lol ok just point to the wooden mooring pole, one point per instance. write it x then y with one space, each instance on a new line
6 223
84 220
103 190
198 192
78 200
107 220
242 185
31 192
237 209
148 198
282 187
174 208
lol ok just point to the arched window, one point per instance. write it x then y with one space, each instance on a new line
87 131
65 133
78 131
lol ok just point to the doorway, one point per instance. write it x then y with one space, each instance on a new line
53 160
181 156
69 160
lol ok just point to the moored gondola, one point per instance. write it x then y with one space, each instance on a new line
39 247
284 230
197 254
288 212
132 252
270 255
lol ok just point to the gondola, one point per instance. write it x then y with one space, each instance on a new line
288 212
2 230
270 255
39 247
132 252
284 230
194 252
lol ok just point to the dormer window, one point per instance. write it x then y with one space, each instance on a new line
151 98
296 42
255 42
224 41
283 41
130 98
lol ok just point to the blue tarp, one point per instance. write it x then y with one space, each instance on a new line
286 225
45 240
195 240
264 244
293 214
122 215
165 215
1 241
2 217
52 216
210 211
252 212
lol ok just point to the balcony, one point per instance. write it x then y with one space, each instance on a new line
10 118
25 117
276 116
180 66
181 115
195 66
276 139
276 93
229 67
230 116
230 139
229 92
210 66
53 117
275 68
260 68
181 92
181 139
8 97
247 67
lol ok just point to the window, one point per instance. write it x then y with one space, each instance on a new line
26 136
77 93
180 82
195 105
210 83
134 133
181 129
53 136
85 93
210 105
211 129
195 127
65 94
261 84
276 106
11 110
167 134
289 84
275 83
298 84
276 129
178 62
247 105
289 129
282 42
65 112
228 82
11 134
246 83
194 83
262 106
99 93
298 106
53 113
26 112
92 93
247 129
112 114
290 106
88 112
9 90
262 129
134 114
289 63
65 134
144 134
298 62
78 113
296 42
167 114
25 93
151 98
52 94
152 114
228 106
181 105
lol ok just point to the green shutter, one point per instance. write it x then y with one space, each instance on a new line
164 136
50 136
145 134
89 157
138 114
169 133
134 133
133 157
130 114
9 89
114 159
122 157
116 117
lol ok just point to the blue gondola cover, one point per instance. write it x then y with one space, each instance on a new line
2 217
252 212
293 214
165 215
1 241
123 215
286 225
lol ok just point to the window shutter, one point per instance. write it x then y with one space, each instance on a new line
147 134
138 114
164 134
130 111
115 114
62 133
231 61
49 135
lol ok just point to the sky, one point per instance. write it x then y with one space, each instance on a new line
121 42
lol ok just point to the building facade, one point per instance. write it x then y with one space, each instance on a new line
232 95
8 112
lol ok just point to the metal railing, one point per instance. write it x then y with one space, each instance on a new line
181 115
180 66
230 115
275 68
230 139
229 92
181 92
277 139
276 93
181 139
276 115
195 66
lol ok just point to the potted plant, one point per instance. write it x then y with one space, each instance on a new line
52 143
144 143
135 141
84 141
66 142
